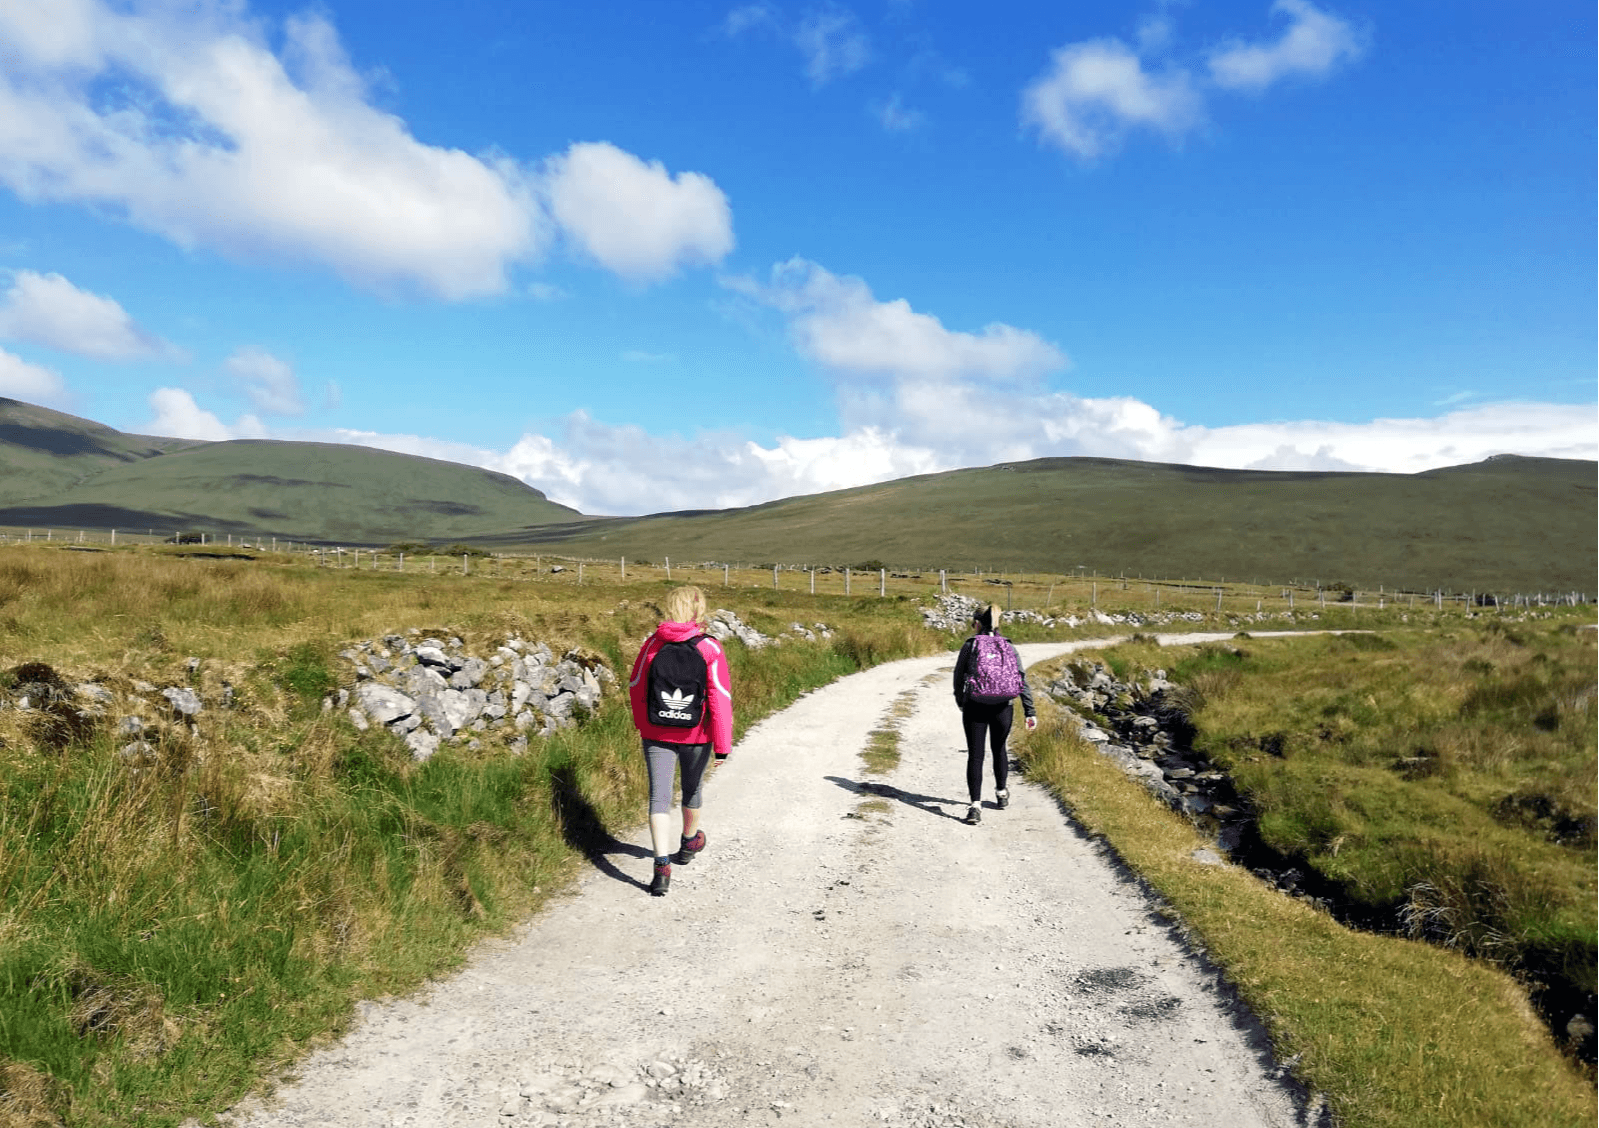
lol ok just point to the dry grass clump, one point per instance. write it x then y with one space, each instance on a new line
25 1097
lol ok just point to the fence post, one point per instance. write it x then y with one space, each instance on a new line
113 536
813 581
774 577
401 567
724 575
846 581
463 564
1290 600
1093 593
624 567
668 560
580 575
943 581
1218 599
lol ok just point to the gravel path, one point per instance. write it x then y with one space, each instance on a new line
846 951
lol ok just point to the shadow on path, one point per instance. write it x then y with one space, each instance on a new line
928 804
584 832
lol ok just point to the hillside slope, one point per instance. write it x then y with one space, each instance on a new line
43 452
1506 524
326 492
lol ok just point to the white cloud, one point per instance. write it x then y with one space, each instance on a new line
269 382
836 321
896 118
177 416
833 44
742 19
545 292
182 118
634 218
46 309
1312 44
34 383
1095 91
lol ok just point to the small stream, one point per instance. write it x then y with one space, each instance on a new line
1152 741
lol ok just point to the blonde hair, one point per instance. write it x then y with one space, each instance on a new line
684 605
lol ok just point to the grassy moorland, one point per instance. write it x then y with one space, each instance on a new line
60 471
172 934
1442 782
1504 525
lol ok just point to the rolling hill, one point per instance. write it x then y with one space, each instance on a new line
1506 524
97 478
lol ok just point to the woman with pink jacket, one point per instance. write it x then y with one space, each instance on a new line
682 697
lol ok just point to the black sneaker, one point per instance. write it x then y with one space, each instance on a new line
1002 799
974 814
663 879
690 847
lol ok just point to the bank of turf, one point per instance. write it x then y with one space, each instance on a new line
170 935
1441 781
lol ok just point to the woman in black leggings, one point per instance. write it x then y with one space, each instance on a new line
989 713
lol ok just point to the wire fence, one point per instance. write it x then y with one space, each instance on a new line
1012 591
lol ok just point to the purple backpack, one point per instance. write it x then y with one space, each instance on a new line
994 674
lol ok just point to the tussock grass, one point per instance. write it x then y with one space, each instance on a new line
176 924
1393 1031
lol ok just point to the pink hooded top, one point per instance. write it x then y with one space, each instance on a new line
716 729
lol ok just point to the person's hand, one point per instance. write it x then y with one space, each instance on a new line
1032 723
720 756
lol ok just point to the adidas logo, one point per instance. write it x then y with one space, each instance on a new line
674 705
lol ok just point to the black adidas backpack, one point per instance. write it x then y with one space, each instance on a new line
674 692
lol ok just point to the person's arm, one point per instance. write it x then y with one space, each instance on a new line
635 682
720 697
961 662
1027 693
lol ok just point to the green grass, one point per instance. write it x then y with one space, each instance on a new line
1393 1032
1444 780
327 492
174 929
1456 528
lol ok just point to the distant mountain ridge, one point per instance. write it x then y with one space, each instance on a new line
61 471
1505 524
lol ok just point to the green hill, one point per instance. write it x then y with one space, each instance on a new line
61 472
44 452
1503 525
1506 524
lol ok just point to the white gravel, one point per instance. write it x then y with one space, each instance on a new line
822 964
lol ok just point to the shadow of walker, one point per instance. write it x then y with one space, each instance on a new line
928 804
583 831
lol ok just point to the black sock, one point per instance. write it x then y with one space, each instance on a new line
666 861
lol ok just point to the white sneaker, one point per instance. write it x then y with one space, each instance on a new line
1002 799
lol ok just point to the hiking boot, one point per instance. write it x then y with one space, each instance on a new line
663 878
974 814
690 847
1002 799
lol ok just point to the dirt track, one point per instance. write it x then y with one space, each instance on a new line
823 964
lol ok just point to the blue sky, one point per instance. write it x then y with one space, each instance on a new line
653 256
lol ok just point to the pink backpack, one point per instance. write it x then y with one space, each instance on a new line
994 674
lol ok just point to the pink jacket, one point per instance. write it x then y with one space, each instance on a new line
717 727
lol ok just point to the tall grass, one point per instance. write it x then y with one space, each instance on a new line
1394 1032
178 921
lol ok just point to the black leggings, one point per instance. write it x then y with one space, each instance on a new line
977 718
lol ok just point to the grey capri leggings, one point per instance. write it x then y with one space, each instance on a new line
662 758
